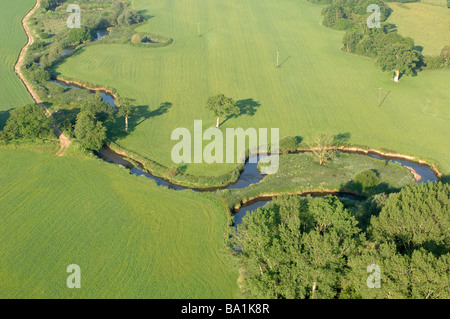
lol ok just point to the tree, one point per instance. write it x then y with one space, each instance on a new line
410 243
323 148
48 4
297 248
398 58
366 180
420 275
102 110
79 35
89 132
39 74
221 105
121 14
126 109
416 217
27 122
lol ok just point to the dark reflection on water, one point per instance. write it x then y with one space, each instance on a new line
101 33
250 175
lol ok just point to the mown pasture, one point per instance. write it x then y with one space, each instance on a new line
12 39
131 238
427 24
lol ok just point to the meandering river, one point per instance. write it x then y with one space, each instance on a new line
250 175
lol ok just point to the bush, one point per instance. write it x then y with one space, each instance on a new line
343 24
445 53
136 38
39 75
288 143
433 62
80 35
44 35
366 180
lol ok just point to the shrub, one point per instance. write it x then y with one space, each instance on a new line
39 74
445 53
433 62
288 143
44 35
80 35
136 38
366 180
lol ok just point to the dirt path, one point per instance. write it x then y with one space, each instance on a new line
64 141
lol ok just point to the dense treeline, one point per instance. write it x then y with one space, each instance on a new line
392 51
88 122
315 248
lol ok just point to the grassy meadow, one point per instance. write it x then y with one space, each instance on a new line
300 172
12 39
131 238
317 89
427 24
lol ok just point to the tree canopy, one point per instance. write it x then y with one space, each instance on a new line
90 132
221 105
297 248
397 57
313 248
27 122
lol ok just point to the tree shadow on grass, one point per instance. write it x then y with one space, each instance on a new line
245 107
145 14
4 115
418 48
341 138
383 187
116 130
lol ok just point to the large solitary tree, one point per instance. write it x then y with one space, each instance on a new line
221 105
399 59
323 148
126 109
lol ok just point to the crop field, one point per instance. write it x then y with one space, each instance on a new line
428 24
318 88
12 39
131 238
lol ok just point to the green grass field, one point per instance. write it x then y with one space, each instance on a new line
427 24
131 238
12 39
317 89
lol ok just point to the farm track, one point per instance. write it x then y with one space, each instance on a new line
63 140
